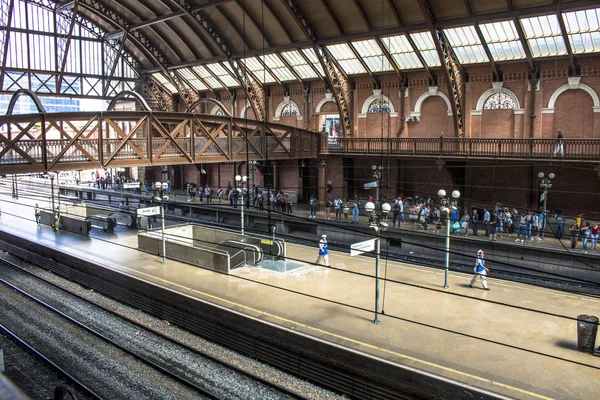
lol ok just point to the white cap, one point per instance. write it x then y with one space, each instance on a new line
323 235
479 251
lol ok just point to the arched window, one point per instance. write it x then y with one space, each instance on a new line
499 101
379 105
290 110
220 112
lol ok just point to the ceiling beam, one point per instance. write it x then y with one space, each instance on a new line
452 68
392 61
235 28
525 45
332 16
156 20
361 11
395 12
488 53
364 65
432 76
573 67
278 20
246 13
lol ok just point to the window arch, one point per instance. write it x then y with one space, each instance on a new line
379 105
290 110
499 101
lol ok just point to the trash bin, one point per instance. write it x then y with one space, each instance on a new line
587 328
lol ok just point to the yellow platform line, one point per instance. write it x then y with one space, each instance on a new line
368 345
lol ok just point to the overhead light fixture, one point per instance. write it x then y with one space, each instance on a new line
115 35
66 6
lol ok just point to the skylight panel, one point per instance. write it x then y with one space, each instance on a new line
299 64
277 67
224 73
164 82
466 44
503 40
207 76
425 44
372 55
583 30
544 36
346 59
312 57
403 53
192 79
258 70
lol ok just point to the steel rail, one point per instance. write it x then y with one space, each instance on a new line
216 360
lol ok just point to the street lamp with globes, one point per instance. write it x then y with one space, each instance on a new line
241 182
377 225
546 183
448 205
159 198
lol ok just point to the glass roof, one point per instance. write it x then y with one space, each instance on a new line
544 36
372 55
278 67
399 47
299 64
583 30
192 79
207 76
466 44
258 70
346 59
503 40
425 44
164 82
225 74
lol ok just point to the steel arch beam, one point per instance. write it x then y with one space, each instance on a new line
336 79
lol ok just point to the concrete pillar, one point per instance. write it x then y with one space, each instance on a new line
322 181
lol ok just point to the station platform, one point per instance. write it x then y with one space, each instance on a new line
516 340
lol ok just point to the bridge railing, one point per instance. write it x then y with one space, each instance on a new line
573 149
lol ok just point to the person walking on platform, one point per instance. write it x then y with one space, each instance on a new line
37 213
480 270
574 231
323 251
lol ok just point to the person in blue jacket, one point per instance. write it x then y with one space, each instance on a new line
323 251
480 270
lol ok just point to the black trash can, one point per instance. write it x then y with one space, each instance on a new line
587 328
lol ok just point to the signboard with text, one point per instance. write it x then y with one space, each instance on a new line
144 212
362 247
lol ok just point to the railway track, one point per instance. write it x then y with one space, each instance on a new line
141 356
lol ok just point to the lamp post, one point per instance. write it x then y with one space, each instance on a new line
160 198
241 182
546 183
378 226
447 206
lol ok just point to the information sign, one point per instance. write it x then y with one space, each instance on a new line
362 247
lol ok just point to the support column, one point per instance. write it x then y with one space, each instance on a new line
322 182
530 111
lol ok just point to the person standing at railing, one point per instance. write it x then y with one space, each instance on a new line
559 148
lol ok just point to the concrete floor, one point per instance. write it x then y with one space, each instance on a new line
517 340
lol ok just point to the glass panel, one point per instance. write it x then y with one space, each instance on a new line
499 101
425 44
583 29
225 74
544 36
164 82
207 76
299 64
346 59
290 110
503 40
277 67
258 70
372 55
403 53
466 44
379 106
312 56
17 50
192 79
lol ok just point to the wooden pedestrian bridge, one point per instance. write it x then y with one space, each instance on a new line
84 140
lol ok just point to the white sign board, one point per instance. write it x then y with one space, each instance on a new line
131 185
144 212
370 185
542 196
362 247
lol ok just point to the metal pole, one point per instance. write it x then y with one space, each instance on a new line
242 214
52 195
377 258
164 243
447 265
545 213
